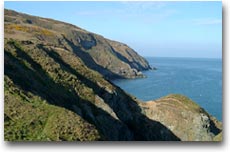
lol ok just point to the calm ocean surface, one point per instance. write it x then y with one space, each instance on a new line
198 79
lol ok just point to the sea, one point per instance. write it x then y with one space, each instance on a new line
200 79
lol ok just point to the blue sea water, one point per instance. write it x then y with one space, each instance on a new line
199 79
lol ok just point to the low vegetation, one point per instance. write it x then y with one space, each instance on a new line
30 29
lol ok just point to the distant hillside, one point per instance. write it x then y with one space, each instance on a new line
111 59
55 89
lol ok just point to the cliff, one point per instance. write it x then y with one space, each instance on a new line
111 59
55 89
183 117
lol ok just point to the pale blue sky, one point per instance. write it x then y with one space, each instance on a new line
171 29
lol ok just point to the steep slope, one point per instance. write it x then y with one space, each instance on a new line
29 117
183 117
111 59
59 78
53 90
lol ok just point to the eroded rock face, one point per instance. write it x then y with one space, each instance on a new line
183 117
98 53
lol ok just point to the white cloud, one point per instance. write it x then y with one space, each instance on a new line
144 5
93 12
147 12
207 21
127 8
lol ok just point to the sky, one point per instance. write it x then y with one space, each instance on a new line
157 29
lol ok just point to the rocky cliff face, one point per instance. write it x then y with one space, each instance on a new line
111 59
183 117
54 92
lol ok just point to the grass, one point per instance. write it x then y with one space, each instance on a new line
33 119
180 100
31 78
60 80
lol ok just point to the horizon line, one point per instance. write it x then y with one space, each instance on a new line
182 57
